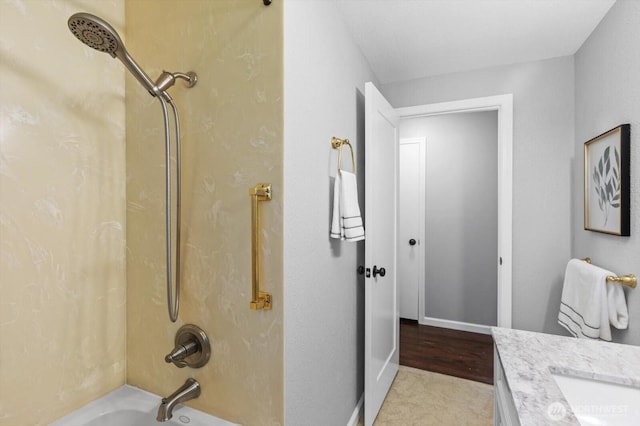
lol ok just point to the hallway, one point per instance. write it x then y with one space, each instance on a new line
446 351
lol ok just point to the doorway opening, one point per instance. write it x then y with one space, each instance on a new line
440 249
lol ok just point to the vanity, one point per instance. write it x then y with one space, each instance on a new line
544 379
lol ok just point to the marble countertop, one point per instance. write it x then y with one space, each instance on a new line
528 359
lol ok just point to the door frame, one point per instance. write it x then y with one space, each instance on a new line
503 104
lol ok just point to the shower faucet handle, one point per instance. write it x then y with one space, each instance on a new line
181 352
191 349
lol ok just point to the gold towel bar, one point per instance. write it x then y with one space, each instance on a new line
629 280
338 143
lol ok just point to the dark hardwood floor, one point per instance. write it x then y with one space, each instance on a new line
441 350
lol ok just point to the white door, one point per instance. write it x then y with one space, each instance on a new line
411 199
381 291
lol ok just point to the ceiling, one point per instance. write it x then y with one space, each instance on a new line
409 39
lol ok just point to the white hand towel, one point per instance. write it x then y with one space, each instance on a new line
584 308
336 229
617 304
346 221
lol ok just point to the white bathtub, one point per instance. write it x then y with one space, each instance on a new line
130 406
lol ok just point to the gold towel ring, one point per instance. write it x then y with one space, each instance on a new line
338 143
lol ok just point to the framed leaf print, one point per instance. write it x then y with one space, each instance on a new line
606 182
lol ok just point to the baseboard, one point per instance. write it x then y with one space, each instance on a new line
456 325
357 412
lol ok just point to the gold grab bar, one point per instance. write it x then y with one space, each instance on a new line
259 299
338 143
629 280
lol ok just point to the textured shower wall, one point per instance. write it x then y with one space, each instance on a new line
62 213
232 140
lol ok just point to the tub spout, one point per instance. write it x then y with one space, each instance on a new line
190 390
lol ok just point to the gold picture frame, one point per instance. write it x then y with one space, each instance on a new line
606 182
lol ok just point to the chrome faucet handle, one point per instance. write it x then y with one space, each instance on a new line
181 352
192 348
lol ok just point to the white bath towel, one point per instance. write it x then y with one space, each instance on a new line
589 303
346 223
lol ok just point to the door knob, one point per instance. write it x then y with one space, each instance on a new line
412 242
360 270
377 271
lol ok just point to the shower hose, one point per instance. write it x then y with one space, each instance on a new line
173 298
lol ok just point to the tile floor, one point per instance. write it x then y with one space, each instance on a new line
423 398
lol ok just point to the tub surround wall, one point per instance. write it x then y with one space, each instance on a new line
232 140
608 94
62 213
324 298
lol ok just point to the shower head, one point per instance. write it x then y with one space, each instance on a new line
98 34
95 33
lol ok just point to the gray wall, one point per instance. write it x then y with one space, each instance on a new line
542 154
324 298
608 94
461 214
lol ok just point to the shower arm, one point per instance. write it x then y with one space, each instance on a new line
168 79
173 302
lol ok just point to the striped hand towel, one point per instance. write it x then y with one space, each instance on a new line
346 221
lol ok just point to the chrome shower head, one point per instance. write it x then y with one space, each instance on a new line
95 33
98 34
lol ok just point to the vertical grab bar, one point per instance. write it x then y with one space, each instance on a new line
259 299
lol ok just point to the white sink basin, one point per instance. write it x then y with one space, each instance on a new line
597 403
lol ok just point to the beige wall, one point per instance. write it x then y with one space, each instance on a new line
232 140
62 213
